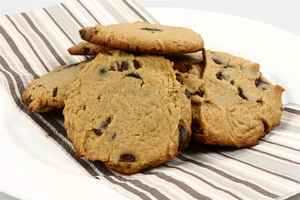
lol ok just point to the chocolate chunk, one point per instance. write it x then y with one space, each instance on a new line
123 66
136 64
127 158
259 83
54 92
232 82
135 75
114 136
260 101
152 30
102 126
220 76
241 93
187 93
183 135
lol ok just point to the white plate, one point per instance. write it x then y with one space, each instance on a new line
24 154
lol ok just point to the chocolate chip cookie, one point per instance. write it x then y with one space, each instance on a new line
143 37
128 111
49 91
233 104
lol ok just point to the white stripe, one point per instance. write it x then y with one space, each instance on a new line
58 40
197 184
263 179
37 43
79 13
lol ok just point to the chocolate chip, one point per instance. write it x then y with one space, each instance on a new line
220 76
152 30
196 127
54 92
259 83
102 126
241 93
127 158
183 135
135 75
187 93
232 82
114 136
260 101
123 66
136 64
103 71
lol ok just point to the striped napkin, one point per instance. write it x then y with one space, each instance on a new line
35 42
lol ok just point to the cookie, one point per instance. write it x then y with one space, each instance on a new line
49 91
87 49
142 37
233 104
128 111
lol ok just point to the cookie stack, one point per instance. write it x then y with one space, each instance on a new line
148 90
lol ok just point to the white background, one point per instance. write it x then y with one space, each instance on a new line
282 13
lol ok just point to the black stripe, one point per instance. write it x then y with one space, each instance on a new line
44 39
265 170
135 11
60 28
275 156
205 181
285 146
292 110
17 52
180 184
28 42
73 16
88 11
248 184
34 116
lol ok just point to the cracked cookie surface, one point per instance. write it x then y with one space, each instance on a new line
49 91
232 103
128 111
144 37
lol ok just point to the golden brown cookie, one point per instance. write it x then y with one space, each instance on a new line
49 91
128 111
142 37
232 103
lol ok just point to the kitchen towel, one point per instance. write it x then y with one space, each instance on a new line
35 42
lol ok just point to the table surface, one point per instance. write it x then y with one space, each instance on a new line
279 13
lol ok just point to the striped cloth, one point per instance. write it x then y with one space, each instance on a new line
33 43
